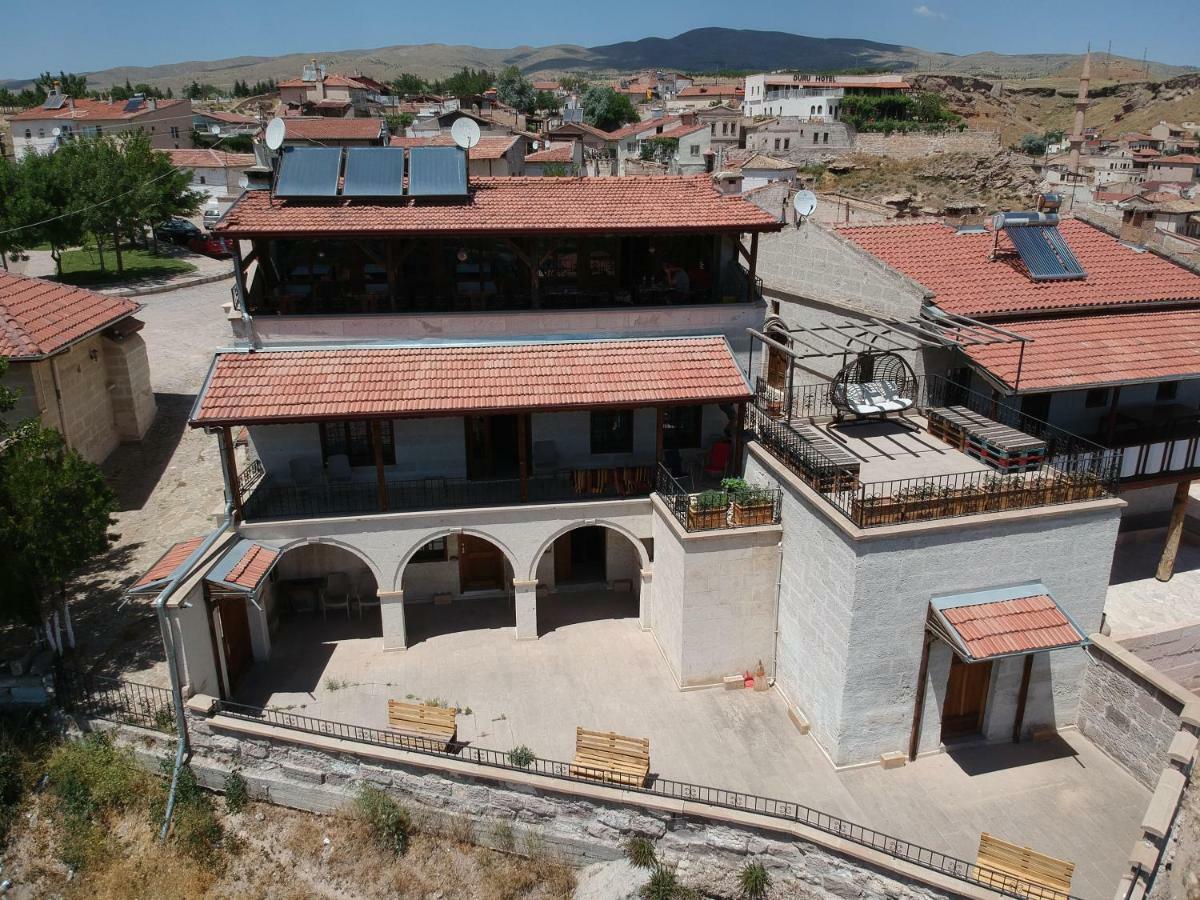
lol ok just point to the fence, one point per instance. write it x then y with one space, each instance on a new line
115 700
716 509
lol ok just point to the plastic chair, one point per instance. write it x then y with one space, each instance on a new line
336 594
365 593
718 458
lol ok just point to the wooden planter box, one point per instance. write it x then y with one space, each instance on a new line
868 511
756 512
705 519
966 501
918 509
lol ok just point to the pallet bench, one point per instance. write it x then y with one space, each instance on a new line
428 723
1000 446
608 756
1000 863
847 465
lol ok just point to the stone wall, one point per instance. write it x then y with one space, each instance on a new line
515 809
87 408
1174 651
912 146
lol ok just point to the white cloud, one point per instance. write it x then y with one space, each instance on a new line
926 13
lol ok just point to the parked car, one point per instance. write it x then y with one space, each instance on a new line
212 215
211 245
177 231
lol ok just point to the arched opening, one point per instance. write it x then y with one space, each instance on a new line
589 573
456 582
320 601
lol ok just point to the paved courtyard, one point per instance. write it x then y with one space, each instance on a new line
1063 796
1137 601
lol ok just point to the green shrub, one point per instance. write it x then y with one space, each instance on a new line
164 719
754 881
236 794
196 831
734 485
388 821
710 500
521 756
664 885
640 852
92 777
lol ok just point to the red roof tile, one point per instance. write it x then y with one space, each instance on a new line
253 566
557 152
712 90
683 130
642 126
1090 351
39 317
166 565
211 159
1021 625
91 111
490 147
636 204
227 117
310 385
1178 160
956 268
320 128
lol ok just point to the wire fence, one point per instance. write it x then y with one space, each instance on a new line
115 700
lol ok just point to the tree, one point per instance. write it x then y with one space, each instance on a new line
547 102
69 83
398 122
43 193
55 515
466 83
515 90
573 84
1033 144
607 110
407 83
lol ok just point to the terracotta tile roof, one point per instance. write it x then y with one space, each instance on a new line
683 130
310 385
209 159
320 128
91 111
584 128
227 117
712 90
39 317
336 80
1179 160
546 86
557 152
1021 625
166 565
432 140
248 571
1090 351
956 268
490 147
642 126
332 104
636 204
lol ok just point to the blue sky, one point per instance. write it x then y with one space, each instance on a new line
85 35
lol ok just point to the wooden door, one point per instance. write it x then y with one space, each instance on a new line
777 366
480 565
966 698
235 638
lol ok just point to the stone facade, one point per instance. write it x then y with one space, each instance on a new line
1173 651
914 146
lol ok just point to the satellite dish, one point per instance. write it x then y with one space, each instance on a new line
214 130
465 133
805 204
243 182
276 132
56 131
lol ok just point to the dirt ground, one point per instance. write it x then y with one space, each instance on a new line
1181 881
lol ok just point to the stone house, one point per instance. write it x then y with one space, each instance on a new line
214 173
167 123
78 363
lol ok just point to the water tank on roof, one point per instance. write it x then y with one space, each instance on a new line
1022 219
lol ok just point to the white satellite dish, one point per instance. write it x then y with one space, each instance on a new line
805 204
465 133
243 182
276 132
56 131
214 130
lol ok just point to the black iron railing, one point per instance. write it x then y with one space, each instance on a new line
657 786
115 700
716 509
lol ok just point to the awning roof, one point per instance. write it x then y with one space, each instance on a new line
1002 622
158 575
447 380
244 567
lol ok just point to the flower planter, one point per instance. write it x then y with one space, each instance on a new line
868 511
753 512
918 509
705 519
966 501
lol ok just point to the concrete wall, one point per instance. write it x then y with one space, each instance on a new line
87 404
1175 652
912 146
128 370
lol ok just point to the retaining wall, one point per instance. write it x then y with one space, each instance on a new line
911 146
1174 651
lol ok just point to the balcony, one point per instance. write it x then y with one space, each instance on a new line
1157 442
956 453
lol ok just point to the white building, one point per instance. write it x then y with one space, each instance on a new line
215 173
814 98
168 123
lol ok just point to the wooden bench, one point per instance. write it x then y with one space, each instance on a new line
608 756
430 723
1000 863
844 476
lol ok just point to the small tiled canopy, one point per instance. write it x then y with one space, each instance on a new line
1014 621
158 575
243 568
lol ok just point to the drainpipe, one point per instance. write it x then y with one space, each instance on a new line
778 591
58 400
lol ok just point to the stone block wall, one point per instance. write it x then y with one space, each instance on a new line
128 371
87 405
1174 651
912 146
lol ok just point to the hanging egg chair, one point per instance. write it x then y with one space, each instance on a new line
873 385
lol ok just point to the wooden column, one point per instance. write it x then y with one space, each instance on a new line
753 261
660 415
232 482
1110 422
914 740
380 478
522 455
1019 719
1166 566
738 428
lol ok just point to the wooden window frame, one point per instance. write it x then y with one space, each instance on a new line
606 423
357 448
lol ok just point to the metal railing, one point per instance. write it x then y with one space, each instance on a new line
1069 470
658 786
713 510
115 700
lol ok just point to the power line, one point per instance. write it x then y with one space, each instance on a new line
91 206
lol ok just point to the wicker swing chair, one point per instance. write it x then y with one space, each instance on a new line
873 385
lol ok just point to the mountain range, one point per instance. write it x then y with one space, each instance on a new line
700 50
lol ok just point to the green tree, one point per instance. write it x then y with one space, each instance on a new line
466 83
547 102
55 515
69 83
40 205
398 122
607 110
574 84
407 83
1033 144
515 90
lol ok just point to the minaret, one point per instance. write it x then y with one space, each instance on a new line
1081 104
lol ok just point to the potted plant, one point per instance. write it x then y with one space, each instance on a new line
922 501
875 510
752 505
706 510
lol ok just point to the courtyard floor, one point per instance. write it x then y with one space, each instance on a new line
1063 796
1137 601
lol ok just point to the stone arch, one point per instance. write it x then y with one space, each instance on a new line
436 533
643 556
342 545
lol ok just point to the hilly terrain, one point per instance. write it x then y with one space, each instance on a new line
700 50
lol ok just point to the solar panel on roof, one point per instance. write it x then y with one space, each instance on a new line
133 105
54 101
1045 253
374 172
309 172
437 172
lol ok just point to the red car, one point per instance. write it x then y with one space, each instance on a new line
211 245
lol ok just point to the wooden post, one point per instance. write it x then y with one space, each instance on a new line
522 432
1110 423
914 741
233 483
1166 566
738 428
380 478
753 262
659 419
1019 720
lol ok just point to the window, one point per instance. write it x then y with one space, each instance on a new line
787 142
175 131
28 134
202 179
695 148
1096 397
816 137
825 137
681 427
776 143
41 132
353 439
612 432
1167 390
434 551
